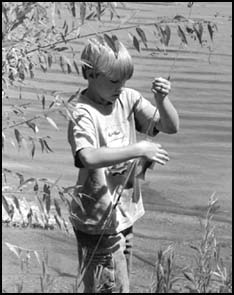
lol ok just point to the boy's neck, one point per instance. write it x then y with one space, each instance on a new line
92 95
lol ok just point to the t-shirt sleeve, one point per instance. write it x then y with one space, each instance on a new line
81 131
145 113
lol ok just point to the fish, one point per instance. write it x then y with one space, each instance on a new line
142 167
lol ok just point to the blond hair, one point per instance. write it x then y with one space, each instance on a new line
116 64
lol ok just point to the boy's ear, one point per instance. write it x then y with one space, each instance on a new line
89 73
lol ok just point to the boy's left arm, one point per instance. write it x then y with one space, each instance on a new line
169 119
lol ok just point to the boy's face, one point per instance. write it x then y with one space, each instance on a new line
106 90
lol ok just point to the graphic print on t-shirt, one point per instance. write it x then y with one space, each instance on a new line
116 137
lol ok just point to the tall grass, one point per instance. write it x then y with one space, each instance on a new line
207 273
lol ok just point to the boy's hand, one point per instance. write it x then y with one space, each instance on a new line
153 152
161 88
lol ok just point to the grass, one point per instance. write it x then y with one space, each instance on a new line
206 274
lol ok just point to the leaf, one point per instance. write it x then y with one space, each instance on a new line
43 101
210 30
68 64
73 96
58 210
136 44
189 30
166 35
37 256
42 144
21 177
63 38
142 35
111 44
50 60
43 61
44 268
14 249
116 41
36 187
20 94
195 248
189 276
29 217
199 32
180 18
99 11
76 68
182 35
57 221
47 197
51 104
69 69
62 64
16 202
112 6
65 225
90 15
18 137
6 205
73 8
52 123
78 201
62 196
47 146
33 126
82 11
59 49
78 32
3 139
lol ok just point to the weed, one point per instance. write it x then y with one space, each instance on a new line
209 274
164 277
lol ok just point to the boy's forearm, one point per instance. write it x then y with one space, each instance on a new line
169 119
103 157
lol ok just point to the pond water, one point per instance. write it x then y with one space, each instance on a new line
201 153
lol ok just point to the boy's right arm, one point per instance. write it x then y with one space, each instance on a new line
93 158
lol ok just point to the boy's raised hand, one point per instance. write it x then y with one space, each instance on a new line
161 88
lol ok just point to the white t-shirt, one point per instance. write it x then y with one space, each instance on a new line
112 125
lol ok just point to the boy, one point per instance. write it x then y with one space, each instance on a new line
104 146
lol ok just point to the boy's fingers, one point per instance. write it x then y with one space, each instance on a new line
161 80
162 158
164 152
163 85
161 162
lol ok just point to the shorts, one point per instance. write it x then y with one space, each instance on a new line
107 270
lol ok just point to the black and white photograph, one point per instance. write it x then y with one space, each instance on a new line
117 147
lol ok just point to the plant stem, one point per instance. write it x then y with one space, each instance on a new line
102 32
